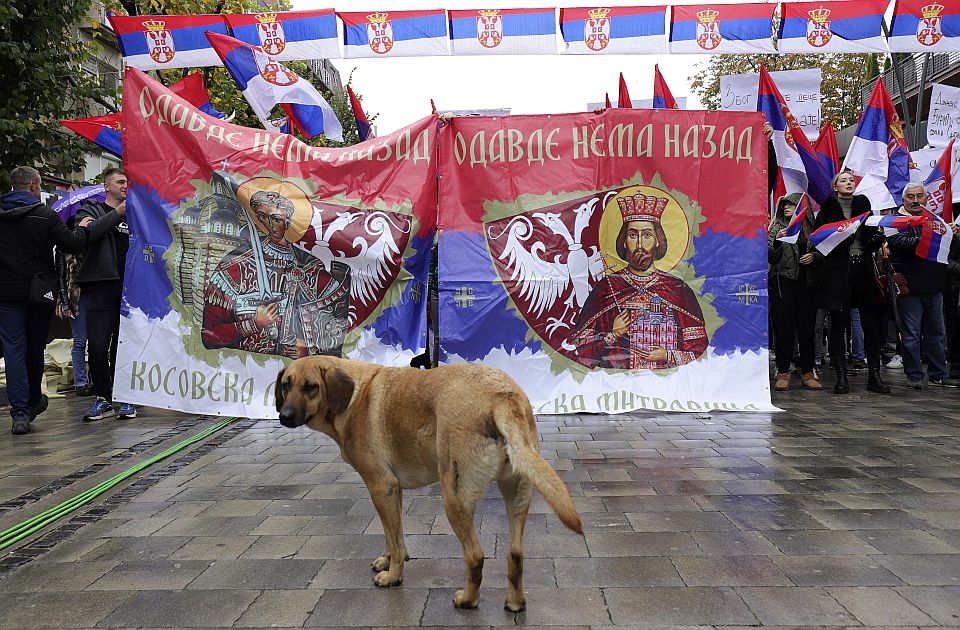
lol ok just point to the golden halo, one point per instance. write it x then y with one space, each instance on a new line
673 221
302 208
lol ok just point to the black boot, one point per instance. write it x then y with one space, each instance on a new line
875 383
840 366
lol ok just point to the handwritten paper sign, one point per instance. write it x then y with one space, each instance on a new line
943 122
800 89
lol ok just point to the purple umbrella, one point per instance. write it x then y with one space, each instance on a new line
69 204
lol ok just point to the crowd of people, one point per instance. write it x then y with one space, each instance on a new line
83 281
869 293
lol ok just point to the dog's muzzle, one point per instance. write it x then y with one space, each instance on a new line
291 419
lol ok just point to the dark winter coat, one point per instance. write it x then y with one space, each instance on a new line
100 260
924 277
784 258
29 230
834 291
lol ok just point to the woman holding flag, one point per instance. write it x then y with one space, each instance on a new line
847 278
791 283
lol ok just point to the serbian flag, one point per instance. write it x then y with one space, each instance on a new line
662 96
893 223
839 26
191 88
395 34
289 35
826 149
104 131
266 82
878 153
800 167
722 28
934 238
614 30
503 32
623 100
827 237
925 26
939 186
160 42
363 125
796 222
606 96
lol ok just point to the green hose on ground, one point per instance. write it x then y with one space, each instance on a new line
38 522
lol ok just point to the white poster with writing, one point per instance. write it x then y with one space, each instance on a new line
943 121
800 89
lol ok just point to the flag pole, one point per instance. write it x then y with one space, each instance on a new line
923 88
898 78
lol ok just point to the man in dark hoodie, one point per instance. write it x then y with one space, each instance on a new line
28 231
101 284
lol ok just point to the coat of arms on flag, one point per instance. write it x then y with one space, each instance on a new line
929 30
818 27
273 71
159 41
596 29
379 33
270 30
489 28
708 29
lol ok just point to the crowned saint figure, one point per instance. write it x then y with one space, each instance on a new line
272 298
640 318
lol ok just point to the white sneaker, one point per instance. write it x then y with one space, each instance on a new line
896 363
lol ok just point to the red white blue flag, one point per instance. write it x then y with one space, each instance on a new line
925 26
614 30
363 125
840 26
796 222
800 167
159 42
395 34
939 185
104 131
503 31
827 237
934 238
893 223
289 35
722 28
878 153
826 148
662 96
266 82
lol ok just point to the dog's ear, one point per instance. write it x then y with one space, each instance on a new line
278 389
339 389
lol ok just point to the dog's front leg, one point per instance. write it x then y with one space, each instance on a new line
388 499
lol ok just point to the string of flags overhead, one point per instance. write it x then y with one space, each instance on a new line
836 26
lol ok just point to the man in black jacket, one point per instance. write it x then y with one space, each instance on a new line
28 232
921 312
101 284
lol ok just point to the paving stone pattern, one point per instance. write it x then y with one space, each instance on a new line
840 512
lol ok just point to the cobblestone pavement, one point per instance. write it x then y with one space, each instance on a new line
839 512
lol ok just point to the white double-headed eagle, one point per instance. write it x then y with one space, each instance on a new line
544 277
370 264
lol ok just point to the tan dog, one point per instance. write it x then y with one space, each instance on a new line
465 425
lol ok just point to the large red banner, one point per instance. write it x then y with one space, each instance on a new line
609 261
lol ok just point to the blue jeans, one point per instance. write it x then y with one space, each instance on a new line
856 336
922 319
23 333
78 352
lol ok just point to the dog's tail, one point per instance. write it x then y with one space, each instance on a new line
527 462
